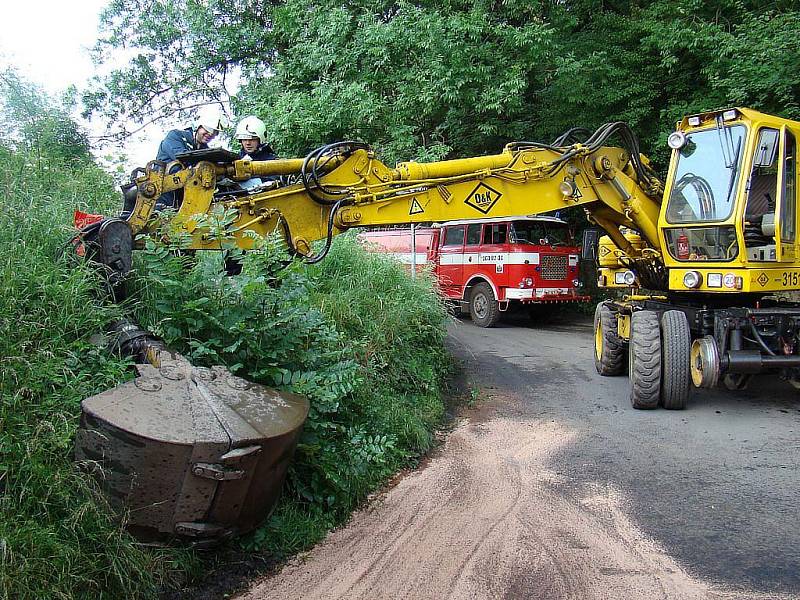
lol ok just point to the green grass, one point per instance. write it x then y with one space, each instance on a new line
58 539
354 333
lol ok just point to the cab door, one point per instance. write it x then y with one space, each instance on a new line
472 251
451 260
786 206
494 253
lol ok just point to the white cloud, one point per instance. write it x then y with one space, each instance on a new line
49 40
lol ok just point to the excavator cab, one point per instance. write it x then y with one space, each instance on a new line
727 239
730 210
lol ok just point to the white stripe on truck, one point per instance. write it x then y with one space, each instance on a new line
405 257
489 258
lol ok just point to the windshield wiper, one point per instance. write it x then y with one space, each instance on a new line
725 145
734 170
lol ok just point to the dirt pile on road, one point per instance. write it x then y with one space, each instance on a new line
489 518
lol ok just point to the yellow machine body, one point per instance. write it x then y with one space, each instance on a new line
641 219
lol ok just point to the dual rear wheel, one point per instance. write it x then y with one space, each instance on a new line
658 356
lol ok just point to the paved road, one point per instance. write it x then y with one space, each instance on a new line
552 487
717 485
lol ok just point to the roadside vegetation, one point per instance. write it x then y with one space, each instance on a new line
57 537
354 333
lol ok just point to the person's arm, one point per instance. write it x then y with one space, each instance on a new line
173 144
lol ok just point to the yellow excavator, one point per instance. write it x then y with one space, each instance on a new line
705 259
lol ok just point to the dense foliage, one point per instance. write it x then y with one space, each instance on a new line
57 536
368 355
456 77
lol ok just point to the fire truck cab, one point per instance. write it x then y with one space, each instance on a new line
484 265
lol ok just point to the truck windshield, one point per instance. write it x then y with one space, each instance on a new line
704 188
539 233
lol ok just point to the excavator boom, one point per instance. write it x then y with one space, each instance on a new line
344 185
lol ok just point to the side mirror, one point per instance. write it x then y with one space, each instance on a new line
591 238
767 146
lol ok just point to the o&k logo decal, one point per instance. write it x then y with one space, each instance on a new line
483 198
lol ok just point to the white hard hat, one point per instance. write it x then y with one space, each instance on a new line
211 118
250 128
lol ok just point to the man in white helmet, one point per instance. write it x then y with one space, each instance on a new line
252 135
210 121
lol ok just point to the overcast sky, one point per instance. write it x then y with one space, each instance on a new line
48 41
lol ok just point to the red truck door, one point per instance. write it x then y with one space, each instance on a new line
472 249
494 254
451 259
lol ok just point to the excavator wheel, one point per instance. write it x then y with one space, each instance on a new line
609 350
644 360
676 345
483 307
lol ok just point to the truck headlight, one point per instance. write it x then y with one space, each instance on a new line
692 279
527 282
576 283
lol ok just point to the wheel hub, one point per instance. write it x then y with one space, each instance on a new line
705 362
480 305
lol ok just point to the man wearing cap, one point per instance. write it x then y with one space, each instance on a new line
208 124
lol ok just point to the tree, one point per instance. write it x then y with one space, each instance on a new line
181 56
34 123
430 79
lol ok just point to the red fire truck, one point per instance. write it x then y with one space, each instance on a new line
486 264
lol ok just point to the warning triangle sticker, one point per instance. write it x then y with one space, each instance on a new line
416 207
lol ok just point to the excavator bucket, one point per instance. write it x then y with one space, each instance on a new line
189 452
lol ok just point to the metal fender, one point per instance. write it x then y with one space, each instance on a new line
480 277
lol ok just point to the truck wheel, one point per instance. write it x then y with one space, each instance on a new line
609 350
483 307
644 359
676 345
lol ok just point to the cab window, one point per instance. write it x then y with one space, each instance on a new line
540 233
474 234
762 189
788 217
495 233
454 236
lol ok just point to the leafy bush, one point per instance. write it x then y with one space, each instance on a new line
58 538
355 334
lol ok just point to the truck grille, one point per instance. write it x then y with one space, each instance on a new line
554 266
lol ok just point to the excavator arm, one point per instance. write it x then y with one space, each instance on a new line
341 186
725 238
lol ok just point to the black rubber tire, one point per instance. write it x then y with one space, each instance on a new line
676 344
483 307
644 360
609 349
